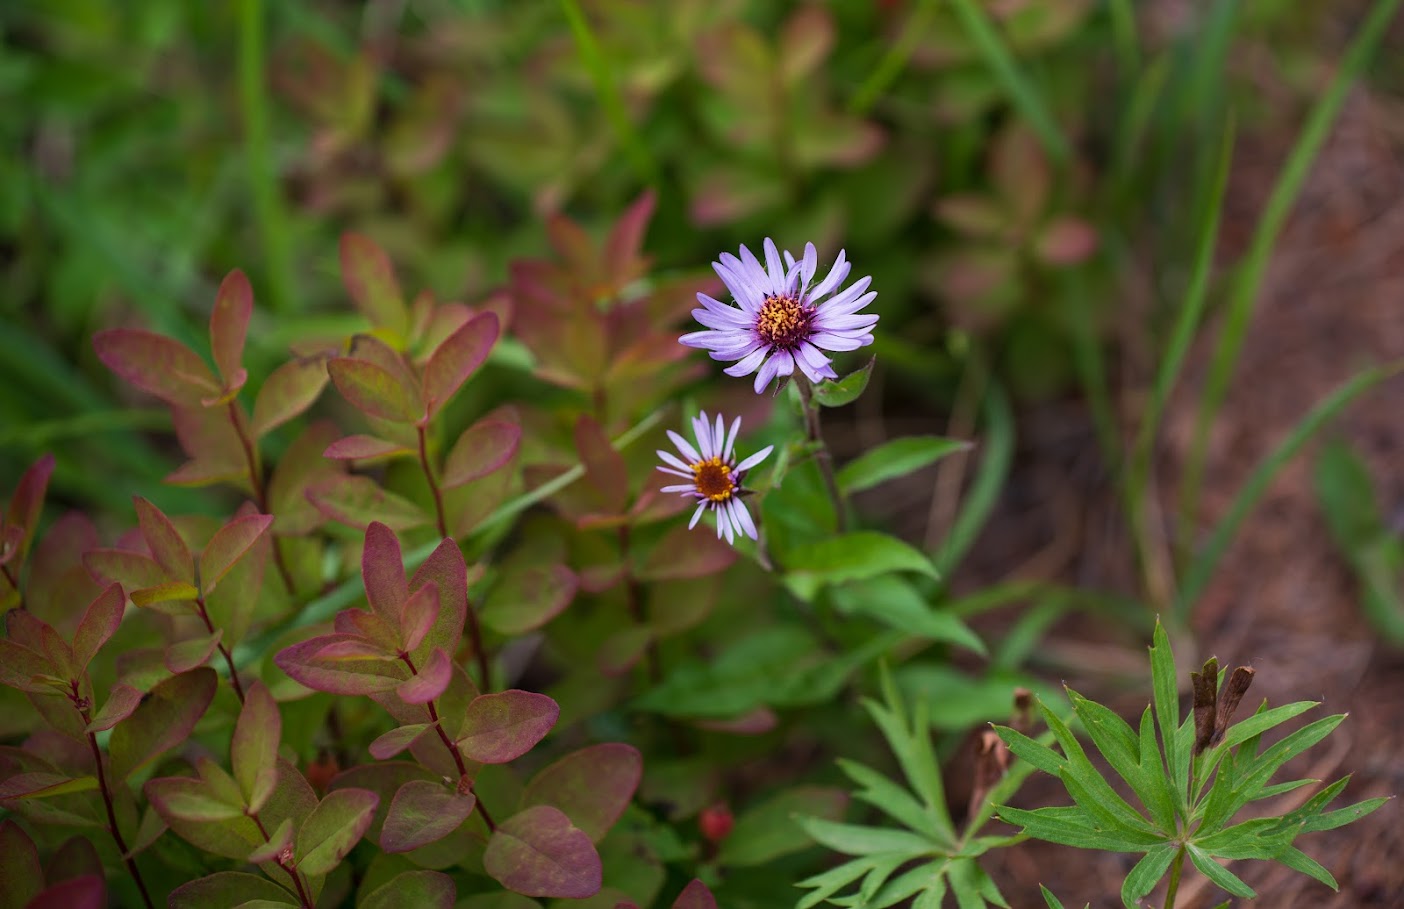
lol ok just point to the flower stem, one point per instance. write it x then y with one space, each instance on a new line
223 651
1174 887
107 800
452 748
814 433
302 894
433 484
260 489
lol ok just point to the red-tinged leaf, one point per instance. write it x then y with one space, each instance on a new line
228 890
257 733
502 727
184 656
1066 241
300 468
396 740
28 630
623 649
122 700
376 391
383 573
429 682
417 619
77 856
157 365
229 544
757 721
695 896
40 785
87 891
164 541
353 648
540 853
163 720
605 471
621 250
229 326
484 447
288 392
21 668
973 215
132 570
11 541
370 279
446 570
301 663
19 864
333 827
181 798
683 554
278 841
98 624
421 889
528 596
458 358
173 597
381 634
357 501
592 786
366 448
808 37
440 322
423 812
27 502
209 437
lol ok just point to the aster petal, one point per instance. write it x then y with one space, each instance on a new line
765 374
811 262
681 487
748 365
744 289
808 353
724 522
714 339
789 259
702 432
739 352
673 461
685 447
697 515
774 267
719 437
754 271
832 341
833 279
812 373
850 293
728 321
847 309
731 439
717 307
742 517
784 363
755 459
862 321
721 523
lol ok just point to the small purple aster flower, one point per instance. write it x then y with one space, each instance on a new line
782 322
713 477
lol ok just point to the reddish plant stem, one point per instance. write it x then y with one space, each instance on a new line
223 651
260 489
475 632
433 484
302 894
107 798
452 748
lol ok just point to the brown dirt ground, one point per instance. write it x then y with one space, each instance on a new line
1283 600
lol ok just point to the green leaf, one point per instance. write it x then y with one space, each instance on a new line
423 812
229 890
845 390
334 826
1089 790
1071 826
370 278
1147 873
358 501
421 889
189 800
19 865
592 786
253 751
1330 820
899 605
896 802
1048 897
157 365
1298 860
773 828
527 595
162 721
857 839
483 448
1167 709
1221 876
850 557
896 458
457 358
376 391
835 879
288 392
229 544
1040 756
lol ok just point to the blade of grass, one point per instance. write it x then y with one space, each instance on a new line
1020 88
984 492
267 198
892 62
598 66
1279 206
1123 21
1091 371
1201 569
39 435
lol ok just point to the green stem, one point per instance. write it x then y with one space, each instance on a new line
814 432
1176 868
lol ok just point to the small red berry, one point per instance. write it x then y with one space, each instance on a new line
716 822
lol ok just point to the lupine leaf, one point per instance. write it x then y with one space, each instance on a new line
457 358
483 448
1259 723
370 279
527 596
1330 820
894 459
1070 826
98 624
1220 875
162 721
164 541
1167 709
1082 779
229 326
423 812
830 882
376 391
288 392
157 365
886 795
333 827
504 726
229 544
422 889
1147 873
1040 756
847 389
592 786
856 839
1048 897
538 852
1298 860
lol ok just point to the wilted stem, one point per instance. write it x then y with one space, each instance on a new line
814 433
260 489
433 484
1173 888
107 801
223 651
302 894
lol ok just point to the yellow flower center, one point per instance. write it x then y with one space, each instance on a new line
783 322
713 479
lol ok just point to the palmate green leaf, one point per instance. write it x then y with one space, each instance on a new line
858 839
1147 873
1040 756
899 804
1217 873
850 557
1261 722
972 887
913 750
1123 749
1087 787
832 881
894 459
1298 860
1254 775
1070 826
1158 792
1330 820
1167 712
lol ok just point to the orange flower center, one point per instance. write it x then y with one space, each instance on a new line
783 322
713 479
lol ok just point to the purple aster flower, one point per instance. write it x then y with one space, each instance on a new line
780 322
713 477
